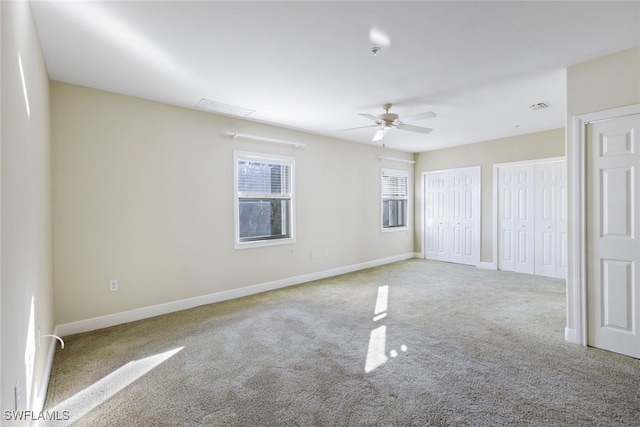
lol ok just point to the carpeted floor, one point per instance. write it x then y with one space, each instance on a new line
411 343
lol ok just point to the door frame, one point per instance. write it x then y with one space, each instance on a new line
577 260
496 170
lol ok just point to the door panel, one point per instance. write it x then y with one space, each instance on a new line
525 223
546 200
436 222
613 244
506 220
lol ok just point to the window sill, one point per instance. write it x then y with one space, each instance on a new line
262 243
392 229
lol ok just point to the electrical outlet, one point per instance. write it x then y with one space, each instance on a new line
113 285
16 392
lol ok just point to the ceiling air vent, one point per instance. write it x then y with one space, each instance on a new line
539 106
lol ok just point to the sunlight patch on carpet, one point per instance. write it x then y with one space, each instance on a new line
81 403
376 355
377 351
382 300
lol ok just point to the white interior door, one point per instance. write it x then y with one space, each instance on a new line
506 219
551 219
437 212
546 245
452 215
532 217
525 220
469 217
613 243
516 223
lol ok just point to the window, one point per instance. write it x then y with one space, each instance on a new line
263 199
394 199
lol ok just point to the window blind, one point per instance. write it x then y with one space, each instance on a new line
264 178
394 186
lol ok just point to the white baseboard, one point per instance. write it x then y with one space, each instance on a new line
570 335
170 307
487 265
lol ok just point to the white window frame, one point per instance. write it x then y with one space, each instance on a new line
383 198
263 158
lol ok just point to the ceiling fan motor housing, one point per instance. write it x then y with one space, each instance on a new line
389 118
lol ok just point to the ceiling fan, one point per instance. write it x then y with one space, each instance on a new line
388 120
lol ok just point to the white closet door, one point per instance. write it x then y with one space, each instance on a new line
506 219
456 218
517 223
551 219
546 215
468 219
452 221
437 221
532 218
525 220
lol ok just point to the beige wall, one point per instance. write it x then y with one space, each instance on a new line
608 82
143 193
26 236
485 154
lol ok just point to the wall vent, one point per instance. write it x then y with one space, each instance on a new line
539 106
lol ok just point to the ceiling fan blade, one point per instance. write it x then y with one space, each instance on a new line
372 117
414 128
359 127
416 117
380 134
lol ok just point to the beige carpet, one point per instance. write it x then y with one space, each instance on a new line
450 345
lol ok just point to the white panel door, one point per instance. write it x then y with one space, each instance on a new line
456 217
452 215
437 221
506 218
546 218
613 243
516 224
525 220
470 216
464 217
532 218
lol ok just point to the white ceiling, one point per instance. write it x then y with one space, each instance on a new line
308 65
